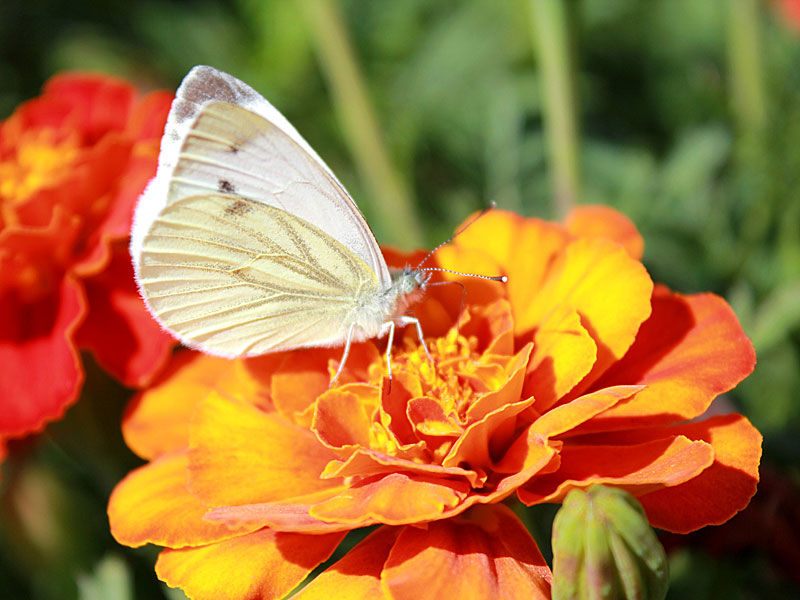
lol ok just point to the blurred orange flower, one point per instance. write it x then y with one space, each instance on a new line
575 372
72 163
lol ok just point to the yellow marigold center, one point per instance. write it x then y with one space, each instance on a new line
445 389
38 160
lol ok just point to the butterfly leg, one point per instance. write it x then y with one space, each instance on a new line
344 354
408 320
390 327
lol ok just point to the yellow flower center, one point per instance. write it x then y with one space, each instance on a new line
38 160
448 387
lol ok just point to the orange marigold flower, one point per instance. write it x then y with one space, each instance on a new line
72 163
576 372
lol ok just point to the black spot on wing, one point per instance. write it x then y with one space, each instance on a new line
226 187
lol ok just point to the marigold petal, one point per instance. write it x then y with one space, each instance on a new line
263 565
689 351
152 506
720 491
461 259
487 553
393 499
343 416
509 392
576 412
609 290
365 462
123 337
638 468
605 222
42 372
304 375
475 447
157 420
99 103
357 576
524 248
563 354
240 454
293 517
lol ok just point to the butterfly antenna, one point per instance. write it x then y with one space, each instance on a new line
458 232
500 278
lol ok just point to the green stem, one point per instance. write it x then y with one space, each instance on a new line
744 65
392 202
550 30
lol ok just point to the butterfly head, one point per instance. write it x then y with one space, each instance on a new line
409 284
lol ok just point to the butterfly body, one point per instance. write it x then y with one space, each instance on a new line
246 243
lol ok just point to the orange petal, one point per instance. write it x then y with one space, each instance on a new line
152 506
720 491
493 325
393 499
609 290
689 351
605 222
475 447
525 248
344 416
242 455
304 375
563 354
263 565
487 553
510 391
471 260
283 517
365 462
430 419
576 412
639 468
357 576
157 420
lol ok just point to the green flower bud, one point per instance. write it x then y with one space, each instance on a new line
604 549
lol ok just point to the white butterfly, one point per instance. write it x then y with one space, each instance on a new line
246 243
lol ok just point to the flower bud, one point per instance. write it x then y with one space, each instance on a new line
604 549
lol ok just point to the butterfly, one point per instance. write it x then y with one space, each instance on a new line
246 243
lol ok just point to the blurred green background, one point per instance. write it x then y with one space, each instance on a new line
683 114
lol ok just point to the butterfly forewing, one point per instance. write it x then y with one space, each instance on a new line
235 277
232 150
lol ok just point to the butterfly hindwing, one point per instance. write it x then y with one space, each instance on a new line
234 276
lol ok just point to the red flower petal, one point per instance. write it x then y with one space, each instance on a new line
99 103
123 337
487 553
41 369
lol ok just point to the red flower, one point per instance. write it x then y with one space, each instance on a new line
72 164
576 372
790 11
